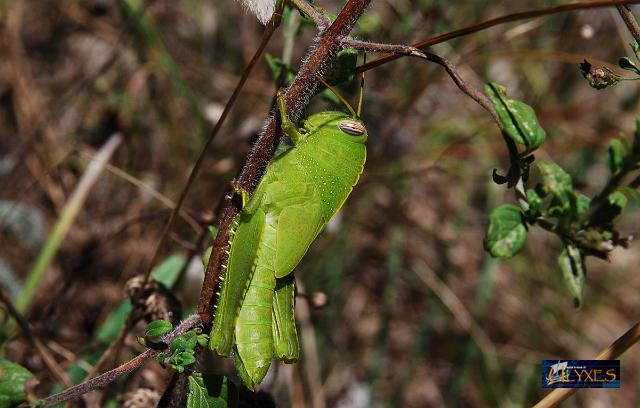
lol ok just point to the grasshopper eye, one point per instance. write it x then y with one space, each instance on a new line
351 127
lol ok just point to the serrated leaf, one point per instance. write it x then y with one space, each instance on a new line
626 63
211 391
507 232
615 156
519 119
158 328
12 379
572 266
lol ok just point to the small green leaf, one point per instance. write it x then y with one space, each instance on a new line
535 202
213 231
626 63
158 328
558 183
519 119
617 199
179 361
615 156
186 341
211 391
507 232
572 266
12 379
583 204
203 340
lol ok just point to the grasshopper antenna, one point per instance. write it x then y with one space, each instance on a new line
337 94
361 87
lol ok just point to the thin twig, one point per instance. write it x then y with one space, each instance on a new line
615 350
523 15
630 20
112 375
324 50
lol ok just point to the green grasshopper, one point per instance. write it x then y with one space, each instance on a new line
302 189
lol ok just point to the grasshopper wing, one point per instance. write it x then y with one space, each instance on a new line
237 275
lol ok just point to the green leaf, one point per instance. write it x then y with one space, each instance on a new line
179 361
158 328
615 156
12 379
583 204
617 199
198 397
558 183
626 63
519 119
202 340
507 232
211 391
572 266
186 341
535 202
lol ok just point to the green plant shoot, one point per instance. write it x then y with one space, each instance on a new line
302 189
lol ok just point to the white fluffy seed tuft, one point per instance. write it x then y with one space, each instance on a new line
263 9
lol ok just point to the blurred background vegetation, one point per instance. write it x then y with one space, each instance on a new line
417 314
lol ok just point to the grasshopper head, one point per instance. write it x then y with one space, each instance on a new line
340 125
